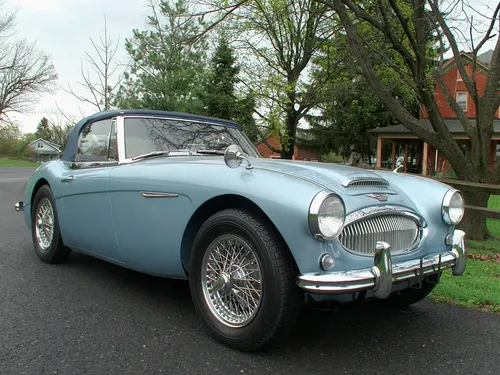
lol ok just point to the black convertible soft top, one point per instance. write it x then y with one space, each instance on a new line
69 152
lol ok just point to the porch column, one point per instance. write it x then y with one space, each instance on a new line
424 159
379 152
393 154
406 158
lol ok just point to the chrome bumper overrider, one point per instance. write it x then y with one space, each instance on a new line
384 273
19 206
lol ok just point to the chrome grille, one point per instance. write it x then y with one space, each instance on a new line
366 182
399 231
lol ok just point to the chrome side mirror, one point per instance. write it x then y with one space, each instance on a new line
234 155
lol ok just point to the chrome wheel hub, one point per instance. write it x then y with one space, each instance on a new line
231 280
44 224
223 282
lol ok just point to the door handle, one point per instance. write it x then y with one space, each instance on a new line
67 178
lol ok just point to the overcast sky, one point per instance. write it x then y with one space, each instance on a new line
62 28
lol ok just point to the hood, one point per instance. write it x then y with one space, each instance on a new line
336 177
330 175
367 187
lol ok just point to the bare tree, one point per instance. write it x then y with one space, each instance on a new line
7 21
103 76
25 71
59 128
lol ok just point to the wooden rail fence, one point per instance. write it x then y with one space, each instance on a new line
483 212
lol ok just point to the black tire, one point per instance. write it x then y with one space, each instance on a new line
56 252
410 296
280 298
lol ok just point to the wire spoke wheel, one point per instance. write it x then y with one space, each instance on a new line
44 224
242 280
45 231
231 280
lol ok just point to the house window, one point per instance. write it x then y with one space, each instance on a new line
498 152
462 100
40 145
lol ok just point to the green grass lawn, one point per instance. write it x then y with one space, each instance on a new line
494 225
333 158
17 163
479 286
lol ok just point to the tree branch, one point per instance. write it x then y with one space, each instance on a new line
471 85
435 139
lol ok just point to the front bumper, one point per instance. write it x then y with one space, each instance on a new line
384 273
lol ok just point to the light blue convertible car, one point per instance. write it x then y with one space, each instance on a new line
189 197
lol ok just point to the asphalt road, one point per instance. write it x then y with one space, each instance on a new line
90 317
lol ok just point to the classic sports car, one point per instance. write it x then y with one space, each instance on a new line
189 197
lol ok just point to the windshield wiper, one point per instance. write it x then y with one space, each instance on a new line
150 154
210 152
179 152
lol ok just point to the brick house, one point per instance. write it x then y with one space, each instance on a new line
300 153
396 141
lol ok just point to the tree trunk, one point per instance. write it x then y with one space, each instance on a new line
474 226
287 153
288 139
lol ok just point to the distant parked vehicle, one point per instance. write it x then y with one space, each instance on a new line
189 197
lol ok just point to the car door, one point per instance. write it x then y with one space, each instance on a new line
150 211
85 215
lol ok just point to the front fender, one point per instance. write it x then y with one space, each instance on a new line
48 172
286 200
283 198
426 195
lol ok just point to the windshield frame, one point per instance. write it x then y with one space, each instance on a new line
120 135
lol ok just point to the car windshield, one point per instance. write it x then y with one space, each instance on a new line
145 135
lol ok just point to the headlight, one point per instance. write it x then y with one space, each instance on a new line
453 208
326 215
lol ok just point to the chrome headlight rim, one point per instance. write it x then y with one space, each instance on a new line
313 215
445 207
